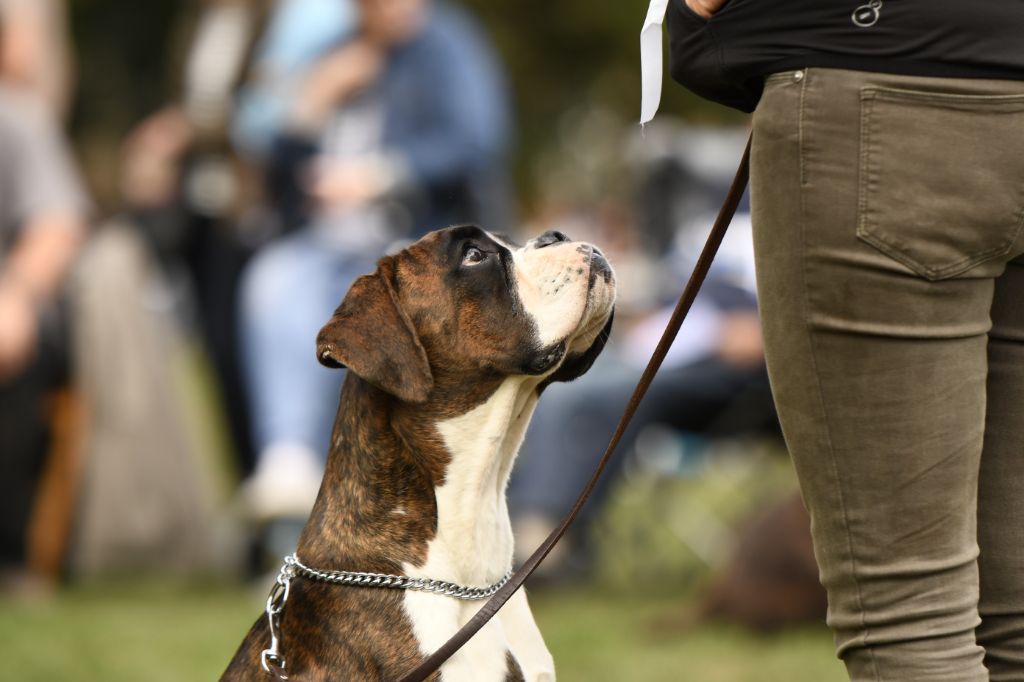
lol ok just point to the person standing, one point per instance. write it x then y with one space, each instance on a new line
886 179
43 217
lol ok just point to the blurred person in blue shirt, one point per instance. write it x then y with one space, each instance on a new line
298 33
402 129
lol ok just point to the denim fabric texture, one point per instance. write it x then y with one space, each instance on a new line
289 291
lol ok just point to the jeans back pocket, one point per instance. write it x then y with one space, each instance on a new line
941 186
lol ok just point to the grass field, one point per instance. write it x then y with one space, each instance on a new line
656 544
157 633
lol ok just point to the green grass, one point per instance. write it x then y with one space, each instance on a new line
657 542
160 632
602 638
139 632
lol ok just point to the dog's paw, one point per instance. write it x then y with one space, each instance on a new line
540 671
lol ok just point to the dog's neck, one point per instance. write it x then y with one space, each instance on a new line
413 489
474 537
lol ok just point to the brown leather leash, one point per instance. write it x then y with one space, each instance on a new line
700 271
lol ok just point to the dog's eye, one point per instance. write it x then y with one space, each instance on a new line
473 256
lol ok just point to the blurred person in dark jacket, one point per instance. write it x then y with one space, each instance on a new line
400 130
192 171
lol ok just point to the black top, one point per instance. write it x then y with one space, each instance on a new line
726 58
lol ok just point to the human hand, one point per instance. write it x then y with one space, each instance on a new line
740 343
705 8
345 184
336 77
151 157
19 330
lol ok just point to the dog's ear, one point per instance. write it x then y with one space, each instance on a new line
372 336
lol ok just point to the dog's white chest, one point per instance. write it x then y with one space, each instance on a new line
473 545
482 659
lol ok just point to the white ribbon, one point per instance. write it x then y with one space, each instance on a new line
651 60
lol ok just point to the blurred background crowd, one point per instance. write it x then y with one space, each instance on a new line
188 187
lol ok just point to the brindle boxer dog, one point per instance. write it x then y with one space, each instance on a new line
448 345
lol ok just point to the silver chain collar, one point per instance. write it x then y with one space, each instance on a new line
273 661
398 582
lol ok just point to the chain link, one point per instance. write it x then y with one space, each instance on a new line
398 582
272 660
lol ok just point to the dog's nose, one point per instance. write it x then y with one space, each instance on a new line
550 237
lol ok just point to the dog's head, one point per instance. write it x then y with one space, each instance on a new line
464 303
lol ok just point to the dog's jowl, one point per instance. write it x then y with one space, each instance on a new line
448 345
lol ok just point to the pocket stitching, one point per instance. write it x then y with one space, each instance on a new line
893 248
903 95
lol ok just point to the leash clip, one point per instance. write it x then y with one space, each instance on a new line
271 659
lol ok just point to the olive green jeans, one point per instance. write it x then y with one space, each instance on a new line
888 215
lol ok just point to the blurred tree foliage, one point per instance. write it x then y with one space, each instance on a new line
559 55
563 54
124 51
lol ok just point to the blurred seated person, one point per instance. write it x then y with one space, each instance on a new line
192 172
399 131
240 71
43 211
713 383
297 34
